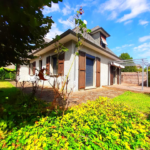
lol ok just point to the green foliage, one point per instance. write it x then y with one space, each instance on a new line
139 101
126 56
22 27
59 47
6 74
99 124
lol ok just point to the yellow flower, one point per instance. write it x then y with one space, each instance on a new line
100 137
114 126
127 145
124 109
126 134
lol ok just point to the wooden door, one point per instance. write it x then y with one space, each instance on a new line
48 65
34 67
61 64
98 72
82 69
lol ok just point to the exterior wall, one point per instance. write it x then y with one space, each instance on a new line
73 75
104 68
24 73
67 63
96 37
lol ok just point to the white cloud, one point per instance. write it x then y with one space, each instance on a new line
145 55
67 23
142 47
113 15
143 50
66 10
127 22
119 48
144 38
53 32
54 7
135 7
143 22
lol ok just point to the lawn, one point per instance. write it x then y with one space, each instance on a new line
6 89
138 101
100 124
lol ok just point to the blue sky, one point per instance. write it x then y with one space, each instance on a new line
127 21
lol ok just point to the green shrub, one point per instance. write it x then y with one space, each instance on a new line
7 75
100 124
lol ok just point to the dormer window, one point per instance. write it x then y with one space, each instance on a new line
103 42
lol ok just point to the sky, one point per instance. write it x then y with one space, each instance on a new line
127 21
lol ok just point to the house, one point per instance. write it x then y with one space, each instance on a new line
91 69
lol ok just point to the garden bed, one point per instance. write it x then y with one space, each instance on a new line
100 124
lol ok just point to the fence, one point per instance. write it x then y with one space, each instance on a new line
134 78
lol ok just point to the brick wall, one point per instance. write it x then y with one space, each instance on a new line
133 78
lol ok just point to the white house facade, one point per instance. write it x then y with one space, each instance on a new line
91 69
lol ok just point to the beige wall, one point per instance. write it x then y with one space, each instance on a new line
96 36
104 78
73 76
67 63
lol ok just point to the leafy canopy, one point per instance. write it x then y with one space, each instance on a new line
126 56
22 28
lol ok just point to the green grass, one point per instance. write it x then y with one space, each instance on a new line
138 101
7 89
100 124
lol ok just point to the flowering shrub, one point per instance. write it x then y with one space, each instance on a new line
99 124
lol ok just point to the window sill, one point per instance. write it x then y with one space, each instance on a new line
90 87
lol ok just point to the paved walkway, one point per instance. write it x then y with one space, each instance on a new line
76 97
130 87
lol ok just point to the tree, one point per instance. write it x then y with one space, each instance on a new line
22 28
126 56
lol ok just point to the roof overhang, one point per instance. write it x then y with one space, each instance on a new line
102 31
71 35
117 65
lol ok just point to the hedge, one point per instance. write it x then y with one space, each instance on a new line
7 75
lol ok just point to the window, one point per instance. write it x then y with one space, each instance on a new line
103 42
103 45
33 67
40 64
55 68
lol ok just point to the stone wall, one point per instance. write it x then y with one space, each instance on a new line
133 78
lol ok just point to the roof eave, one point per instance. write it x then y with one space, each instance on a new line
69 31
99 29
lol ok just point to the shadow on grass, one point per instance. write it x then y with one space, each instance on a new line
18 109
148 114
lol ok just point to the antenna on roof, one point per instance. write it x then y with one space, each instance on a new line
85 22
